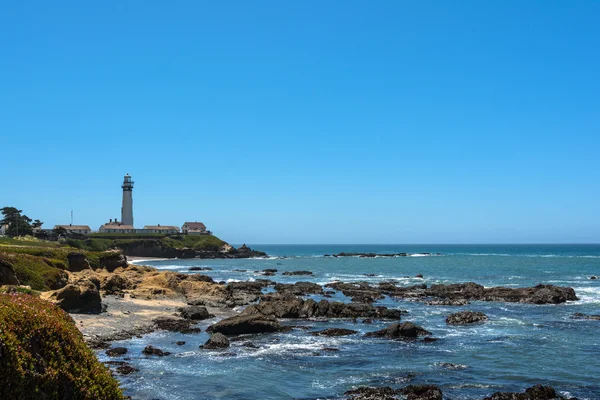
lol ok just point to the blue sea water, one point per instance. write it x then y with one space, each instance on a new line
521 344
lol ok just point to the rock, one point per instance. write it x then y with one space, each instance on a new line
452 366
593 277
419 276
422 392
334 332
294 273
116 351
584 316
200 269
115 284
369 393
241 324
195 313
299 288
448 302
180 343
429 340
153 351
175 325
77 262
126 369
82 296
537 392
406 330
216 341
466 317
7 274
469 290
112 260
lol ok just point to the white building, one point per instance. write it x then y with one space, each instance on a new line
194 228
166 229
81 229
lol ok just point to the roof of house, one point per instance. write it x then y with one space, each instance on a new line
117 227
195 225
161 227
73 227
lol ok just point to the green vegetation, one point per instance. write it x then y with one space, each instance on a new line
26 241
124 241
43 355
17 224
196 242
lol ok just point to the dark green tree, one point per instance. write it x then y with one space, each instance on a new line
18 225
37 224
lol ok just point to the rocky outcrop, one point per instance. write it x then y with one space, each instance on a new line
242 324
334 332
195 313
361 292
175 325
299 288
411 392
116 351
7 274
82 296
537 392
406 331
112 260
540 294
421 392
153 351
466 317
296 273
584 316
216 341
295 307
77 262
116 284
448 302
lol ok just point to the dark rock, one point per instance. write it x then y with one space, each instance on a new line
175 325
250 345
584 316
469 290
422 392
195 313
452 366
126 369
334 332
241 324
180 343
77 262
216 341
116 351
7 274
406 330
466 317
593 277
369 393
115 284
294 273
112 260
330 349
537 392
82 296
448 302
429 340
299 288
419 276
153 351
200 269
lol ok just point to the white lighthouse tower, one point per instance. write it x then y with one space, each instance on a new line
127 209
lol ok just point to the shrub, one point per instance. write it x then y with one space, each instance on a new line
43 355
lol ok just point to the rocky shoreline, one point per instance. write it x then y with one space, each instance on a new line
129 300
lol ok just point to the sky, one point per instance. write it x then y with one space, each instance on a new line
307 122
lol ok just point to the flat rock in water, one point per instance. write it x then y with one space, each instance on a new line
241 324
422 392
126 369
116 351
153 351
216 341
293 273
334 332
466 317
537 392
584 316
406 330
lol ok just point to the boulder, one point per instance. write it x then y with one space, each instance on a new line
115 284
406 331
82 296
77 262
466 317
334 332
7 274
195 313
241 324
422 392
126 369
593 277
153 351
294 273
537 392
216 341
175 325
369 393
112 260
116 351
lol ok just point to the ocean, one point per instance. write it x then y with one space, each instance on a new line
519 346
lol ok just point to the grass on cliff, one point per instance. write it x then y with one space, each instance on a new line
103 242
43 355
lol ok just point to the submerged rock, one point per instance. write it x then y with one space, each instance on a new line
406 330
294 273
584 316
537 392
466 317
422 392
370 393
116 351
241 324
216 341
126 369
334 332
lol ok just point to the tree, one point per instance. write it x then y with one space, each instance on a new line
18 225
37 224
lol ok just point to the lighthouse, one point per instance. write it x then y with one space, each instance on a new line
127 209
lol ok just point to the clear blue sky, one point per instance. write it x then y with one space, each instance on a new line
308 121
